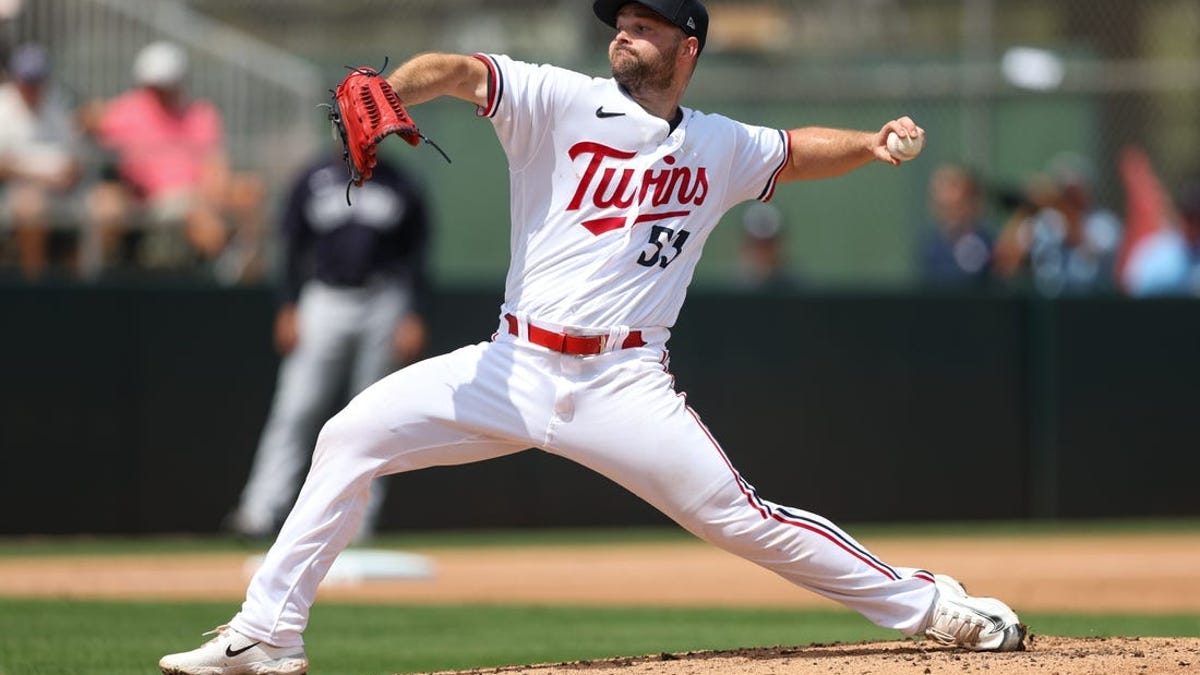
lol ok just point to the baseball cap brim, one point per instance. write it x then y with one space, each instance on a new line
606 10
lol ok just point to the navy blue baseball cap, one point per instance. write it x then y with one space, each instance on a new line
689 15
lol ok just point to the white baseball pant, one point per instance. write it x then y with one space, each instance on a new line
617 413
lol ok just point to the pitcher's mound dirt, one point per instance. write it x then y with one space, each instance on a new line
1045 656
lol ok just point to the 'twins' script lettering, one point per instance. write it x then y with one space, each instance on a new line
608 184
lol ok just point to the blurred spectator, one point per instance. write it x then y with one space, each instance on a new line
170 175
1155 257
956 252
355 277
1189 215
39 163
1167 261
762 263
1059 239
1022 205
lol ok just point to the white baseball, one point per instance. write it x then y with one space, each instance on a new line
905 148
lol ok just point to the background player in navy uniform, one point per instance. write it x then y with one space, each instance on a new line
354 278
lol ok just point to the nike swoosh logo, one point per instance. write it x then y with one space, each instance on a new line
602 113
231 652
997 622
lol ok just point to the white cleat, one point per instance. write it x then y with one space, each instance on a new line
231 653
978 624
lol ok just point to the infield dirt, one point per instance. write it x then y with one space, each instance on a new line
1123 573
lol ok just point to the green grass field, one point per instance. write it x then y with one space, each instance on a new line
57 637
109 638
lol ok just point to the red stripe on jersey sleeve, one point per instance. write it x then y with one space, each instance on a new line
494 86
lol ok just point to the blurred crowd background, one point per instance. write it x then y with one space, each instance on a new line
1063 152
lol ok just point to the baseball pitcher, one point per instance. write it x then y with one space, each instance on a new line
615 188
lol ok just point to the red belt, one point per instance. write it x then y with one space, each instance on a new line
577 345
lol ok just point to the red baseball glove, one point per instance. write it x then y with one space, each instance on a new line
366 110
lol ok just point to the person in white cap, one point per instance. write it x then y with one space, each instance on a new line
39 163
169 168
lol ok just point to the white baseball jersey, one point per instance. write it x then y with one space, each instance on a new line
615 236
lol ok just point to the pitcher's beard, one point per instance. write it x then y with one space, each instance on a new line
635 74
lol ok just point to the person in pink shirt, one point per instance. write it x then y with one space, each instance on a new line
169 168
